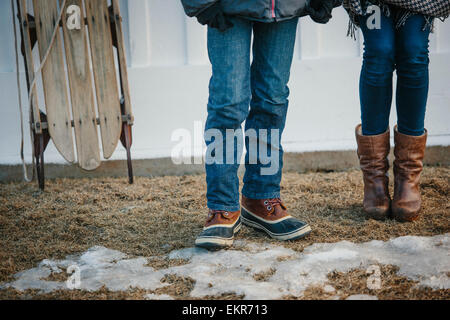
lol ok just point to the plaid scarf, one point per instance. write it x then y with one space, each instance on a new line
430 9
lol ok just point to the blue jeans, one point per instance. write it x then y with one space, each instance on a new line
387 49
255 92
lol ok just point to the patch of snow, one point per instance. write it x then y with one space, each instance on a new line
186 254
166 246
362 297
152 296
329 289
127 210
422 259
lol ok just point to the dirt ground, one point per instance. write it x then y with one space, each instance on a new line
157 215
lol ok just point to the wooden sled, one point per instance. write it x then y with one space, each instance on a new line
84 59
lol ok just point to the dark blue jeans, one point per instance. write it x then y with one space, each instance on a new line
251 91
387 49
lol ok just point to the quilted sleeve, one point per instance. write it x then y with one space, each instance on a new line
194 7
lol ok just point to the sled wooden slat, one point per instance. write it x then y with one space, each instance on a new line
54 80
104 74
81 91
122 60
82 88
29 58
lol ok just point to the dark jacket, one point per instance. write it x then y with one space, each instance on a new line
260 10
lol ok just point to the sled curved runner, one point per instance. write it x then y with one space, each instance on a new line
91 50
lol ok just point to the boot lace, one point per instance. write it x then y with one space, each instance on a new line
272 203
213 213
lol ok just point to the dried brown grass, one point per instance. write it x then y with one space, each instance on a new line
393 287
157 215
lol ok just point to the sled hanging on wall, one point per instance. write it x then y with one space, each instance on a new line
84 78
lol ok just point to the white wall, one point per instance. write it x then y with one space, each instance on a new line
169 75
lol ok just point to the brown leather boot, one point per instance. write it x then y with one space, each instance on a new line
408 165
219 230
271 216
373 152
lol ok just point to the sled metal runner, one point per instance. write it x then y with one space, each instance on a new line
94 92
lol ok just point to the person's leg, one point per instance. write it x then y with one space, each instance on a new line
273 50
228 106
373 136
262 207
376 75
410 135
412 60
